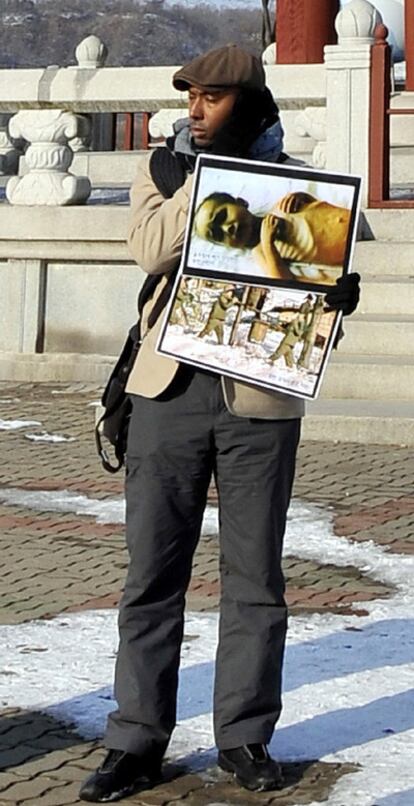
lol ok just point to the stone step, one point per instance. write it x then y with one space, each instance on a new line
364 421
347 376
374 377
388 225
376 258
56 367
401 164
353 419
402 126
387 335
389 296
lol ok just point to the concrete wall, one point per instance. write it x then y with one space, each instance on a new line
68 286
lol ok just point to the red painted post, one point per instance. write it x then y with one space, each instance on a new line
379 120
409 43
303 28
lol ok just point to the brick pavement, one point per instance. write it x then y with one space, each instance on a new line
60 561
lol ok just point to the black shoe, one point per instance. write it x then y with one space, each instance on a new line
252 767
120 775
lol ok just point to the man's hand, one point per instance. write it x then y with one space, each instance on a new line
267 255
267 230
344 295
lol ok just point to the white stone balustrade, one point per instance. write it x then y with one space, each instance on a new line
137 89
269 54
161 124
91 53
348 67
9 149
48 158
82 141
311 122
341 129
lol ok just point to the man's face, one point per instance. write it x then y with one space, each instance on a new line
209 112
228 223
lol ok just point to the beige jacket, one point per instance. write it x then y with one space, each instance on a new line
155 240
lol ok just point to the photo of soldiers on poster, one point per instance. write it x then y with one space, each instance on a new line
275 337
264 243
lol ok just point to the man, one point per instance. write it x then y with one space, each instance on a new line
183 298
217 316
311 332
294 333
187 424
299 228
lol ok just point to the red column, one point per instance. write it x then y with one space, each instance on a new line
409 43
303 28
379 120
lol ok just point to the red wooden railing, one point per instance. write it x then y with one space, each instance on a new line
409 42
379 128
130 130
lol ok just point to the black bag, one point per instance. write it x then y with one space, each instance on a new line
113 424
168 174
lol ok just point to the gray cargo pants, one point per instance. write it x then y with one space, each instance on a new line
175 444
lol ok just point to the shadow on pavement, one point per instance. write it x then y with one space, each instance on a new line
405 798
27 735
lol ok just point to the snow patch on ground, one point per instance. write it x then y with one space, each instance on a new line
348 680
11 425
45 437
110 510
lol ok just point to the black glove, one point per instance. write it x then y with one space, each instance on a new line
344 295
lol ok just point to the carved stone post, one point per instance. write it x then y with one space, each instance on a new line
9 153
348 66
83 140
311 122
91 54
48 159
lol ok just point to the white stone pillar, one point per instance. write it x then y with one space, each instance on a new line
48 158
348 91
9 153
91 54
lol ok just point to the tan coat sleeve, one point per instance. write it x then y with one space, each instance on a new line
157 225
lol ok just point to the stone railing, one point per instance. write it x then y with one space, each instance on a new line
49 108
328 103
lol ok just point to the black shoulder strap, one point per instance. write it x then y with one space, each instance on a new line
168 174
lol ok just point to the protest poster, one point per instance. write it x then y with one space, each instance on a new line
264 243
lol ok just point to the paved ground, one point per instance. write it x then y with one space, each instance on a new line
59 562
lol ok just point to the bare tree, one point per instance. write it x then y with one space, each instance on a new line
267 28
